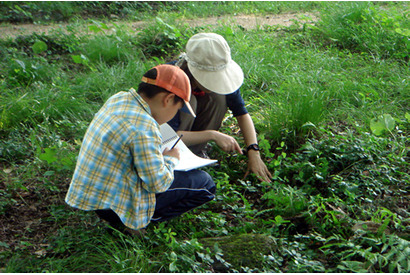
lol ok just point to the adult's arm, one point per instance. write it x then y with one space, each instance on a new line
225 142
255 163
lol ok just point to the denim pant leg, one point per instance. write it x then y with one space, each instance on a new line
189 190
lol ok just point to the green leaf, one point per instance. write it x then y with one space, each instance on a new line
49 155
94 28
22 64
407 117
173 267
165 24
309 124
76 59
49 173
377 127
39 47
279 220
353 266
80 59
389 122
381 124
405 32
98 26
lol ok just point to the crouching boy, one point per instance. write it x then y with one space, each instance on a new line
121 172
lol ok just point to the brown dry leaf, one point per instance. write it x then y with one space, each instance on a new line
40 252
337 209
25 194
369 226
7 170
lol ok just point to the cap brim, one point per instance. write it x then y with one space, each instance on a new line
188 109
222 82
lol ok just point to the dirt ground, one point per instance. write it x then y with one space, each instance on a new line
245 21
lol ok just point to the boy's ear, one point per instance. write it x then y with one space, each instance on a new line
168 99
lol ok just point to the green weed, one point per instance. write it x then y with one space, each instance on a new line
285 200
292 108
369 254
161 39
109 50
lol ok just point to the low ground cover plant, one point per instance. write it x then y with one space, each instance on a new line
329 102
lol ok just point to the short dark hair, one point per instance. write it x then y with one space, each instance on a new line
150 90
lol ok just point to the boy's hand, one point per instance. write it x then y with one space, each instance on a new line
173 153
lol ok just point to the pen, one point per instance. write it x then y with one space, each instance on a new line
176 142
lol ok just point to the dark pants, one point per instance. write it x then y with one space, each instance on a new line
189 190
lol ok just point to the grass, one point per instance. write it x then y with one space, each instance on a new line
329 101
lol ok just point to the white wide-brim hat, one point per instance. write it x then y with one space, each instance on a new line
209 60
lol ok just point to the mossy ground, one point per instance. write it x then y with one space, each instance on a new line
240 250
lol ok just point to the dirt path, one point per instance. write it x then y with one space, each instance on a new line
245 21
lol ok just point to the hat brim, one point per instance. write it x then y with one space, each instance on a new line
222 82
187 108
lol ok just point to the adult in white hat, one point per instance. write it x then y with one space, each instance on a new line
215 82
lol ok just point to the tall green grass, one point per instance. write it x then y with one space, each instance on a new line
362 27
303 79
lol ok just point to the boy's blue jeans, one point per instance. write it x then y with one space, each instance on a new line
189 190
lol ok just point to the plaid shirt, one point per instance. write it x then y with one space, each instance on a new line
120 165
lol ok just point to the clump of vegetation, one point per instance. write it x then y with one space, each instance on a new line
46 11
363 28
163 40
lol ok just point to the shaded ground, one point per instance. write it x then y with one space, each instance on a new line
29 221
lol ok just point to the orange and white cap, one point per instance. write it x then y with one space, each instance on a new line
174 80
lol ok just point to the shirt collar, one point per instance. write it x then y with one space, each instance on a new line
139 99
